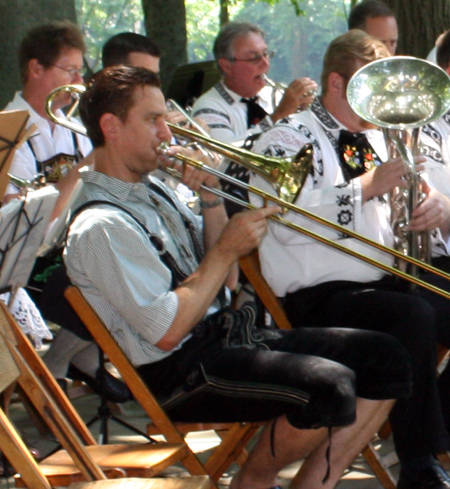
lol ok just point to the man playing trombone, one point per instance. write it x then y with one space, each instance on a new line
325 287
155 272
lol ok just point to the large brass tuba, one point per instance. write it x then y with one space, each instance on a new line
401 94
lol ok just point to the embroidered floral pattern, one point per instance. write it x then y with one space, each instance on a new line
356 159
345 217
430 151
343 200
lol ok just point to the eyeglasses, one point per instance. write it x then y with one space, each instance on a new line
256 58
74 72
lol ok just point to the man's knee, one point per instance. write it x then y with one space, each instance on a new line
332 399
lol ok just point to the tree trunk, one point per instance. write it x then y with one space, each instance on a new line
420 23
18 16
224 14
165 23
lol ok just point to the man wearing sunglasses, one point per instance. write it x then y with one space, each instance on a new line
50 55
242 102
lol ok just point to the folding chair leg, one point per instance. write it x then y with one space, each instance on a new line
381 471
229 451
16 451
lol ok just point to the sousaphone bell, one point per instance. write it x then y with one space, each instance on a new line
401 94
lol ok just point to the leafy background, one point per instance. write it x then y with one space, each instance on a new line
299 41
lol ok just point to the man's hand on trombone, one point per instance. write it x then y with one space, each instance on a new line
176 117
190 176
244 231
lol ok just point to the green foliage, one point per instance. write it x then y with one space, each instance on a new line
104 18
299 40
294 3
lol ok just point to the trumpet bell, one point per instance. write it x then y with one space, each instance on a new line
400 92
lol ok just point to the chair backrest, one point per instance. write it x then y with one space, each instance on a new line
78 461
15 368
234 436
251 268
11 330
8 367
139 389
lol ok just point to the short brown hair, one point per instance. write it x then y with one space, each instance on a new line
112 91
345 51
368 9
117 49
46 42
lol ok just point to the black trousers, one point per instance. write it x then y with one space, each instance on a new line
312 375
387 306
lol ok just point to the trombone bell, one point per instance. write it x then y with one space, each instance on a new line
287 175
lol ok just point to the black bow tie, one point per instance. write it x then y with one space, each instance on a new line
356 154
255 113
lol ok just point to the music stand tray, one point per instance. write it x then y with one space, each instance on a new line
13 133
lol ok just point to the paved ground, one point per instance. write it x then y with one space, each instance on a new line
359 477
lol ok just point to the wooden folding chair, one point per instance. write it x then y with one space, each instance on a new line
234 436
13 368
134 460
250 266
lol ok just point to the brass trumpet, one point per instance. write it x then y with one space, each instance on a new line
278 87
283 86
305 158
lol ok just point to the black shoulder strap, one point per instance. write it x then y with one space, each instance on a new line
78 155
38 163
178 275
187 224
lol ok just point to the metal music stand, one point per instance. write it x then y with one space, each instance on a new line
23 223
191 80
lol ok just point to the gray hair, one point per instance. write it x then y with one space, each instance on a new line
223 45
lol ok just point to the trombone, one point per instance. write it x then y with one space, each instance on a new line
304 160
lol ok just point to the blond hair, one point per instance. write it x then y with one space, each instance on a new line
345 51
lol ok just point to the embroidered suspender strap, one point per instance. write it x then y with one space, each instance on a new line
178 275
39 164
